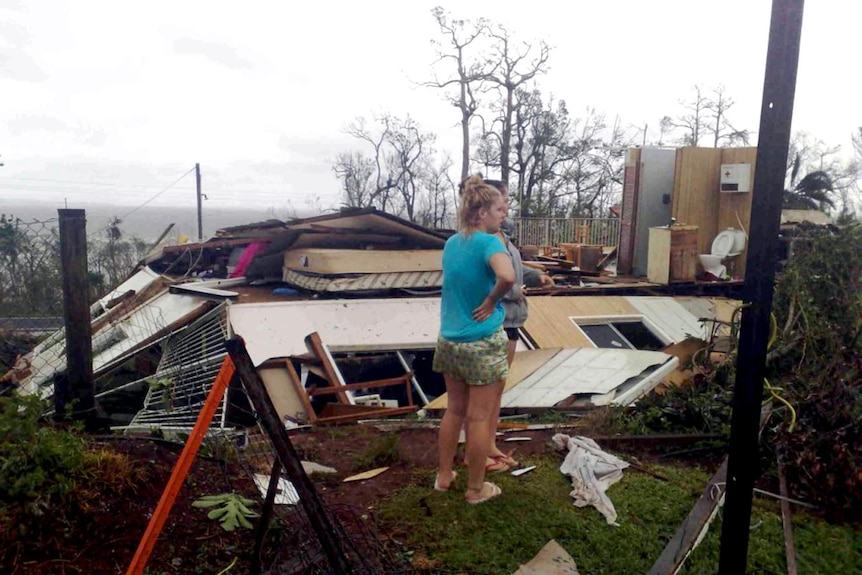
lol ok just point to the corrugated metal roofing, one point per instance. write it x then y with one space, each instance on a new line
590 372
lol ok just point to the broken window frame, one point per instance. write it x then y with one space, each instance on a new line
609 320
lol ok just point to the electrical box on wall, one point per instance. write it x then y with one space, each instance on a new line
735 178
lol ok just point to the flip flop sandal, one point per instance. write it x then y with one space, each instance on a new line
438 487
496 466
505 458
495 492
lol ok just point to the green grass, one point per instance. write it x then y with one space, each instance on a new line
499 536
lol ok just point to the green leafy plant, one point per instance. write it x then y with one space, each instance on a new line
230 509
166 386
37 462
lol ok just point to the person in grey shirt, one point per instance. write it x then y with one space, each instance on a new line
515 306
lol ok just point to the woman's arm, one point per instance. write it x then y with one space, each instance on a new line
502 266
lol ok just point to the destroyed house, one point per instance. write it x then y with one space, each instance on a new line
340 314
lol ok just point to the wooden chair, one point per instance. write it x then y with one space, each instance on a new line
320 361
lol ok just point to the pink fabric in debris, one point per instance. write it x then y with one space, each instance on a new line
246 257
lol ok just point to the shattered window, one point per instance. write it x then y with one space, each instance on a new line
605 335
622 335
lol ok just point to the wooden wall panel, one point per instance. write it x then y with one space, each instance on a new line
548 323
695 192
731 205
628 215
281 391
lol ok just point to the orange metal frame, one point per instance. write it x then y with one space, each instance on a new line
181 469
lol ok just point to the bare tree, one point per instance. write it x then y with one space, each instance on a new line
381 184
665 127
391 177
437 206
514 65
693 122
594 175
355 171
705 115
722 130
469 73
541 141
408 157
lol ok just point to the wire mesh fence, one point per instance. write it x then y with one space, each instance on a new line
31 268
30 283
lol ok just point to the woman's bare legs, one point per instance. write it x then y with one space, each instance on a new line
458 395
480 407
495 415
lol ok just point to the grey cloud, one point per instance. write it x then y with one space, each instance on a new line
15 62
218 53
23 124
20 66
318 151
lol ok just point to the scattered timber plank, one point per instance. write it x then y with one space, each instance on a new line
566 264
551 560
786 522
191 288
607 258
365 475
541 266
686 537
334 261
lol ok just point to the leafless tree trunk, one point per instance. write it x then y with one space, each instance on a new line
409 157
513 68
437 206
355 172
392 178
693 123
468 76
721 128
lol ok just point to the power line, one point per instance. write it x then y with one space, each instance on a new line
77 192
79 182
165 189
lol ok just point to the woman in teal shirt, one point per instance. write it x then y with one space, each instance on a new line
471 347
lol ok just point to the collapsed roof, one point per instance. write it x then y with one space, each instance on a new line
191 297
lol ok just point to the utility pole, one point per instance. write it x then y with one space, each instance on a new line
776 113
200 215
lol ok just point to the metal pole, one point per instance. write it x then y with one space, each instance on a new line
79 386
269 420
265 517
779 87
200 214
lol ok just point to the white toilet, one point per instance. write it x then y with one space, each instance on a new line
727 244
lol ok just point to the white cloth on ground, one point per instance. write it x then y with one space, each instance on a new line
592 471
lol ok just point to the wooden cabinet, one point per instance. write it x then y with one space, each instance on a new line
585 256
673 254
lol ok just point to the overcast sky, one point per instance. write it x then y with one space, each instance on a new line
113 101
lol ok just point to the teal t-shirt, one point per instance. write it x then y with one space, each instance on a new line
467 281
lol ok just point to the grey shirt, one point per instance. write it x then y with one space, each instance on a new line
513 304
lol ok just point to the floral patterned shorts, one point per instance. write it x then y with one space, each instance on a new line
480 362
